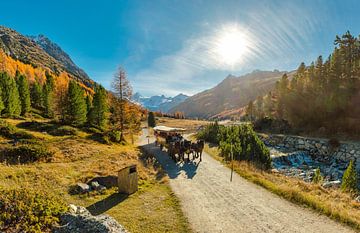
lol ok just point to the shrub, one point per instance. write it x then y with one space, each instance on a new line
11 132
210 133
317 176
240 141
349 180
25 210
27 153
114 135
64 130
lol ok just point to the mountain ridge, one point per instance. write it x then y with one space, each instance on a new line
159 102
233 92
40 51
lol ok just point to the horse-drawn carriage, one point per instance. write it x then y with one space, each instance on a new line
176 145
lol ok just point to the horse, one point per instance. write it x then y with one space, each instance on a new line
175 148
198 148
186 148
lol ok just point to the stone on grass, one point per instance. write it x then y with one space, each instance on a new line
332 184
82 188
80 220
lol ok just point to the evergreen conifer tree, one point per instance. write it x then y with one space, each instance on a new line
24 93
349 180
98 112
10 95
76 105
36 96
48 96
151 120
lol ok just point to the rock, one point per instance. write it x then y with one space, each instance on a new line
352 152
357 199
274 170
82 188
94 185
107 181
80 220
332 184
301 142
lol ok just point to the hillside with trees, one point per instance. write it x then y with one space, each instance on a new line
232 93
321 97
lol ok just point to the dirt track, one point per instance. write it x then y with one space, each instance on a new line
214 204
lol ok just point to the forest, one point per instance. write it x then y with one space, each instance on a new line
27 91
322 97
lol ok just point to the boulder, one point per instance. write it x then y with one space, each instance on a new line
332 184
357 199
82 188
80 220
107 181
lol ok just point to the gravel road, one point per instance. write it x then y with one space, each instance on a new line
214 204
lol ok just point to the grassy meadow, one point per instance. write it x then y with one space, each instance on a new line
80 157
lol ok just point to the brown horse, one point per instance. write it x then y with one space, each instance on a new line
198 148
175 149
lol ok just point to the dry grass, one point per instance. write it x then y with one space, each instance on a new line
153 208
331 202
191 126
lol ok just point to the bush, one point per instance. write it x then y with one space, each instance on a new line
25 210
317 176
64 130
210 133
244 144
27 153
349 180
114 136
11 132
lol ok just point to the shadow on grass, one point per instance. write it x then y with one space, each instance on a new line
104 205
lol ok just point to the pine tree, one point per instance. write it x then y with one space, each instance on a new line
24 92
250 110
48 96
10 96
36 95
98 112
2 106
88 104
151 120
76 105
349 180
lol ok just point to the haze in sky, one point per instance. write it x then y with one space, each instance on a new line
168 47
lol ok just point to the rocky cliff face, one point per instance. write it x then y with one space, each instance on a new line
40 51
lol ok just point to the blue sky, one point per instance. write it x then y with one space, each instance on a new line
167 47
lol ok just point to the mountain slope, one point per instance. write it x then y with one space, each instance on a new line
58 54
232 93
159 102
40 52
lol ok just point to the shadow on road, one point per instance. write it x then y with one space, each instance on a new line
104 205
172 169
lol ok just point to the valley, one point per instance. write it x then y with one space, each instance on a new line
179 116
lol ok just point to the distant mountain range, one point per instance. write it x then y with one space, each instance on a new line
229 96
40 51
159 102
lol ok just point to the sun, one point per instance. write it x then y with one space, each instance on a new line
230 45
